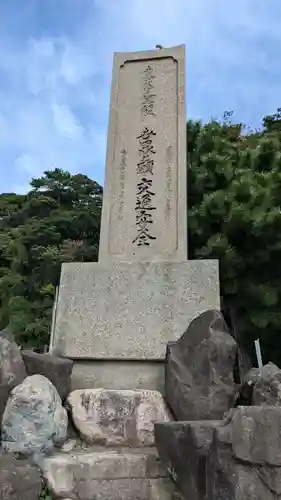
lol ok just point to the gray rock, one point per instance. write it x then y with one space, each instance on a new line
12 368
69 445
19 479
57 370
7 334
238 458
256 435
126 489
244 363
245 395
199 370
108 474
5 390
267 389
117 417
252 376
34 419
244 461
183 448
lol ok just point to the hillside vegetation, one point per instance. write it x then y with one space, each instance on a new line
57 221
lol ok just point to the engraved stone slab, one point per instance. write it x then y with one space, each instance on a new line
144 203
130 310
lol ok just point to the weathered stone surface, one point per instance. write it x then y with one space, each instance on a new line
252 376
183 448
244 461
244 363
267 389
245 391
238 458
12 369
127 489
235 481
57 370
199 370
109 310
5 390
118 374
69 445
103 464
109 474
19 479
129 132
117 417
34 419
7 334
256 434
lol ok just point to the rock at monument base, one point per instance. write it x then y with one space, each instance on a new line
12 368
199 370
245 393
183 448
252 376
19 479
126 489
5 390
109 474
124 417
267 389
244 461
34 419
7 334
60 470
57 370
238 458
256 434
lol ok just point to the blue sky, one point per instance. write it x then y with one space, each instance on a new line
56 61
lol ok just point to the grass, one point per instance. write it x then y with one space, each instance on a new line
45 494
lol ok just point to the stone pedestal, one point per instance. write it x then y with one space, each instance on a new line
121 315
119 374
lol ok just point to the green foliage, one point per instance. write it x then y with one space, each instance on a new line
235 216
45 494
57 221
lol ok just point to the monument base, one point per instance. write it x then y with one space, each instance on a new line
130 310
118 375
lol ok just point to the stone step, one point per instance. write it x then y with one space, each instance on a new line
108 474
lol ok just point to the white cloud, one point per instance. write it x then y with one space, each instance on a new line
65 122
28 163
41 123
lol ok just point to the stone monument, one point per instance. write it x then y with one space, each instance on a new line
114 317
